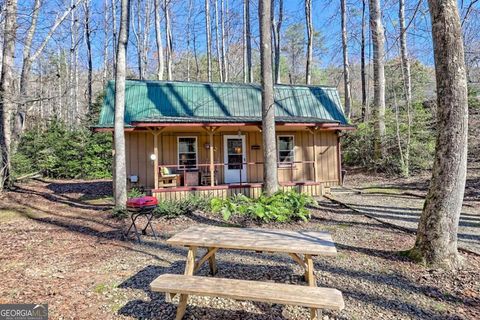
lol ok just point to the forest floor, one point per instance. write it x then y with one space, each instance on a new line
59 245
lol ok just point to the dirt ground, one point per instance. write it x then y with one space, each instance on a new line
59 245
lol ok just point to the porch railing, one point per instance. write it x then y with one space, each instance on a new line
294 171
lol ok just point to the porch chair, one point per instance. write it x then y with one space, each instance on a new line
205 177
167 179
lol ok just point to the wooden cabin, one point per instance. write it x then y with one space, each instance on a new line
206 138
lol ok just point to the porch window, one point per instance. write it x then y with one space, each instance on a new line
187 152
286 149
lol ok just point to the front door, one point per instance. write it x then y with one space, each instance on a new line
235 157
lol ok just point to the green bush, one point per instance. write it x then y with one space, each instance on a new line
175 208
135 193
60 152
280 207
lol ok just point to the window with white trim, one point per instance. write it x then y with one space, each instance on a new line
286 149
187 152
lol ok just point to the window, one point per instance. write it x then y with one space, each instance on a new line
187 152
286 149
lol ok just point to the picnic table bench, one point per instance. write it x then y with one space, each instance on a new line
301 246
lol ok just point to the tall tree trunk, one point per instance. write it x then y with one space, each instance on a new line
146 38
114 35
270 178
362 65
277 26
378 42
224 48
436 241
7 89
106 35
138 34
86 6
168 31
209 40
158 38
73 67
247 43
120 181
189 33
407 84
346 67
217 43
308 20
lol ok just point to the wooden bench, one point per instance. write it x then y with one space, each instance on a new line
305 296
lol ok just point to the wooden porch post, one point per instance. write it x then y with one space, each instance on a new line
212 165
156 133
315 156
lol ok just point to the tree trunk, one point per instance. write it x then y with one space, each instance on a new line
209 40
138 34
224 54
270 178
378 42
168 31
189 33
276 27
362 67
346 67
105 43
114 35
7 89
120 181
308 19
407 84
158 38
247 43
146 38
86 6
217 42
436 241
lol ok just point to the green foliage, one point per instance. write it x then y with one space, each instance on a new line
135 193
358 145
59 152
119 213
185 206
280 207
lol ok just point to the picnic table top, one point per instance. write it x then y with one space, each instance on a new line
270 240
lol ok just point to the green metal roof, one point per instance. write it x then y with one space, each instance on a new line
177 102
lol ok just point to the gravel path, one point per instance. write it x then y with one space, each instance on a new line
405 210
59 249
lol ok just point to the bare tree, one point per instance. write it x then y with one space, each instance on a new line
168 37
7 98
73 67
346 67
114 35
217 43
86 8
270 178
362 65
209 40
158 38
120 180
407 85
138 34
247 43
436 241
378 42
106 36
276 27
224 46
309 23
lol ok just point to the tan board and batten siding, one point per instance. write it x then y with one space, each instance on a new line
140 145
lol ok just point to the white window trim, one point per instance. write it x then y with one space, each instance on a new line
179 167
280 164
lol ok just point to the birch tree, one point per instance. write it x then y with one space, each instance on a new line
158 41
7 95
309 24
217 42
247 43
209 40
168 38
407 85
270 178
87 28
120 180
362 65
224 42
346 67
378 43
436 242
276 27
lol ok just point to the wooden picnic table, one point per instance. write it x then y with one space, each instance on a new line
301 246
